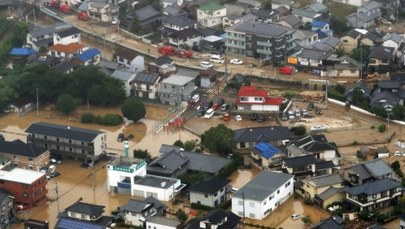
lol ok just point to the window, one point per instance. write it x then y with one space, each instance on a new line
252 215
206 195
240 202
70 141
345 41
240 213
288 184
278 191
70 149
57 139
243 99
25 194
251 204
258 99
83 216
30 159
242 145
271 197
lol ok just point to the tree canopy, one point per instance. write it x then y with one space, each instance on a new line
219 139
133 110
66 104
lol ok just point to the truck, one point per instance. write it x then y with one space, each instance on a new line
65 7
83 16
171 51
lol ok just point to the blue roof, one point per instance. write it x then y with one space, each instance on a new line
267 150
319 23
65 223
88 54
22 52
321 34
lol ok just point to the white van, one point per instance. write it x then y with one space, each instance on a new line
217 58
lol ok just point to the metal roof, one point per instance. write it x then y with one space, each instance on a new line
177 80
87 209
164 221
21 148
155 181
41 31
211 186
263 185
255 134
300 161
88 54
122 75
263 29
146 13
325 180
149 78
375 187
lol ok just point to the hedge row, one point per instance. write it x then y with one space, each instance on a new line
106 120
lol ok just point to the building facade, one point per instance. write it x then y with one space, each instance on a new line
211 14
175 89
252 99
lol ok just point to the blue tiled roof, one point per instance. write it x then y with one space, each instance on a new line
65 223
88 54
22 52
267 150
319 23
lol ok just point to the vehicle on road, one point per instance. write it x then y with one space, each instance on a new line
254 116
120 137
318 128
399 154
227 117
195 98
236 61
51 169
311 106
209 113
215 106
286 70
206 64
295 216
43 169
238 118
115 21
217 58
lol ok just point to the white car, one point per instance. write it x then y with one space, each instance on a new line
295 216
238 118
209 113
115 21
386 22
206 64
399 153
236 61
318 128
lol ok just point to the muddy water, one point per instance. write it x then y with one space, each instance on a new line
242 176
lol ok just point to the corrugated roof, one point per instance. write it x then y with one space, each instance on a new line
263 185
41 31
375 187
149 78
260 29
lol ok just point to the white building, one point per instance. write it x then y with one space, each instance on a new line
252 99
162 223
262 195
125 76
211 14
161 188
42 37
67 36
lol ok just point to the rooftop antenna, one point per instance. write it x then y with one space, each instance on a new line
126 146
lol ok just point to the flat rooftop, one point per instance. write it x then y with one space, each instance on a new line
154 181
22 176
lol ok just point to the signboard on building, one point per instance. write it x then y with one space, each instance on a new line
292 60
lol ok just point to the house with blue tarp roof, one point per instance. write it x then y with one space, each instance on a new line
322 28
89 56
267 155
22 52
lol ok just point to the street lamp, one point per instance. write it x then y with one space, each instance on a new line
388 108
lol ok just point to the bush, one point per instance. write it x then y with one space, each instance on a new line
111 120
382 128
231 167
87 117
299 130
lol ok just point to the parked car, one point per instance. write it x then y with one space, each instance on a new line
120 137
221 101
284 117
318 111
238 118
225 107
385 21
261 119
286 70
208 104
311 106
295 216
129 137
115 21
43 169
254 116
206 64
236 61
227 117
200 111
318 128
195 98
304 112
209 113
55 161
215 106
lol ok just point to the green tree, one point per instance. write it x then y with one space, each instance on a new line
142 154
192 178
87 117
398 112
190 145
219 139
136 25
357 96
361 53
339 26
299 130
179 143
181 215
267 5
133 110
307 220
66 104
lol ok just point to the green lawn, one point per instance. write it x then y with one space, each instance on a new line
340 10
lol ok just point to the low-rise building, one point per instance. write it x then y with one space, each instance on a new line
40 38
211 14
248 138
66 51
190 37
253 99
365 16
217 218
125 76
334 222
146 85
316 185
307 166
89 56
368 171
211 192
162 223
137 212
6 208
175 89
67 36
402 221
267 156
262 195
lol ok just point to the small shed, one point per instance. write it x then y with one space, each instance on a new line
20 106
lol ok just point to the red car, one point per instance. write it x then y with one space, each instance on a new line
286 70
215 106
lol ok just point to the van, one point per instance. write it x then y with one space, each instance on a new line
51 169
217 58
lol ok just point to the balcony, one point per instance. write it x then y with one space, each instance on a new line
143 89
265 44
232 45
235 38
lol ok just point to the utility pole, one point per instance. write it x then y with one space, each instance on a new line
57 195
361 60
37 102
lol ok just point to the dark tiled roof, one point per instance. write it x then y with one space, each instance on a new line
149 78
381 53
163 60
324 165
353 34
256 134
68 32
125 53
140 205
334 222
373 168
146 13
383 98
216 216
179 21
205 162
300 161
168 162
68 132
185 34
64 66
88 209
210 186
21 148
371 188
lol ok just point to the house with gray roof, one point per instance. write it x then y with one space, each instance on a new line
262 195
394 40
303 38
365 16
247 138
232 19
145 85
6 208
177 23
269 41
290 21
275 4
381 59
306 15
368 171
316 185
23 155
312 58
169 164
343 66
101 10
174 10
211 192
190 36
389 92
376 195
333 222
176 88
216 218
328 197
148 16
125 76
162 222
317 145
350 40
137 212
306 166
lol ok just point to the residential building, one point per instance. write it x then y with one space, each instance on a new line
121 174
312 59
125 76
145 85
67 36
67 141
211 14
21 106
162 223
190 36
322 28
393 40
177 23
66 51
306 166
372 38
37 224
163 65
267 156
365 16
167 3
170 164
89 56
262 195
251 99
366 91
402 221
25 156
316 185
207 78
329 197
333 222
368 171
130 59
380 58
375 195
217 218
148 17
306 15
276 4
302 38
259 40
83 215
345 67
99 9
137 212
175 89
6 208
350 41
291 21
316 145
40 38
248 138
211 192
26 186
232 19
161 188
